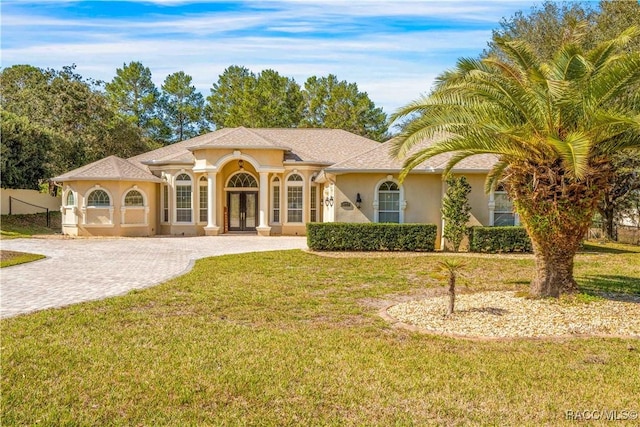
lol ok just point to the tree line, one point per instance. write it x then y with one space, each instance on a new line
57 120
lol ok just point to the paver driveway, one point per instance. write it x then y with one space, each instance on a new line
78 270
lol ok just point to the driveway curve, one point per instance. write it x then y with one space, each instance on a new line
77 270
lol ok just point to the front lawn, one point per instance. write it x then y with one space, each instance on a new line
9 258
17 226
293 338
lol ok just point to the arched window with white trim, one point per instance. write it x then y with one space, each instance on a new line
70 200
133 198
242 180
389 203
134 208
184 196
98 199
295 198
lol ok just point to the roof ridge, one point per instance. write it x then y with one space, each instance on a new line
381 144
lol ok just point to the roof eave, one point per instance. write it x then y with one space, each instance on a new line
235 147
167 162
105 178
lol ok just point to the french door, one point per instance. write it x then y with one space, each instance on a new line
243 212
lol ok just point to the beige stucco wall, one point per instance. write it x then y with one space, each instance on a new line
422 193
108 221
30 196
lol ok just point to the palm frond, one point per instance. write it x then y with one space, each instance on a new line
574 151
495 175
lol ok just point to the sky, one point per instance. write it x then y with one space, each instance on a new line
393 50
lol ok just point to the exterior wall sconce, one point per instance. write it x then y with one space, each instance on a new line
358 201
241 164
328 201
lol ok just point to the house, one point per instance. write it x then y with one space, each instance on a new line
265 181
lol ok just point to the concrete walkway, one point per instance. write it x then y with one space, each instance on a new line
78 270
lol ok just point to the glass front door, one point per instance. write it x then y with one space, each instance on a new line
243 212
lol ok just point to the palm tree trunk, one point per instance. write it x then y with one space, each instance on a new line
554 273
452 292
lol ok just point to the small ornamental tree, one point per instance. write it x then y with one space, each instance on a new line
455 210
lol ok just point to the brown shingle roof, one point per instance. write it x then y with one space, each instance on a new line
380 159
110 168
300 144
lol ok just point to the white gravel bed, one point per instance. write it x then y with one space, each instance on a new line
505 315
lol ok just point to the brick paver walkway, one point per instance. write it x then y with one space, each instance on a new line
78 270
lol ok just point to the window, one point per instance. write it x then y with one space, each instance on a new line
242 180
165 203
276 200
98 199
389 202
71 199
314 203
294 198
503 214
203 199
134 198
183 198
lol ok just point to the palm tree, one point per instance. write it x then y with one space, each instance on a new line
554 127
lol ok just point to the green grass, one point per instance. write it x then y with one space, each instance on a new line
292 338
19 226
9 258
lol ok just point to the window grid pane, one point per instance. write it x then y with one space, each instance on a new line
389 202
294 203
314 204
98 198
276 203
203 203
165 203
133 198
183 203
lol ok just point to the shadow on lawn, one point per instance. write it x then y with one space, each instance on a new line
609 284
588 247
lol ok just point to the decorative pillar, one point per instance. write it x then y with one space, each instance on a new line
212 228
263 227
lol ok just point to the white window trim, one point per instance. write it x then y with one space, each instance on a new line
286 196
273 185
84 209
227 188
203 183
376 201
74 208
163 201
123 208
312 184
175 199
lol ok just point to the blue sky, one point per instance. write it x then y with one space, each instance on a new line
392 49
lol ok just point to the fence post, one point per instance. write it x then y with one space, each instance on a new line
48 220
10 205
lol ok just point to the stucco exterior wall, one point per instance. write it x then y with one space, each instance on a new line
115 220
30 196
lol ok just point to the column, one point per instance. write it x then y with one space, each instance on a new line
212 228
263 227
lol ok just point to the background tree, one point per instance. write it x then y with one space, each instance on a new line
24 152
278 101
554 126
73 111
231 103
456 210
549 25
329 103
134 95
182 108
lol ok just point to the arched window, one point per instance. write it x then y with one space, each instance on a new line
183 198
389 202
294 198
203 198
71 199
98 199
133 198
242 180
275 207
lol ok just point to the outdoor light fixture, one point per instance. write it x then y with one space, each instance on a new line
328 201
241 164
358 201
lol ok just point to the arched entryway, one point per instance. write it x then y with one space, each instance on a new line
242 202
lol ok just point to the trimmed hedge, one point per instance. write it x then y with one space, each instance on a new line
335 236
499 239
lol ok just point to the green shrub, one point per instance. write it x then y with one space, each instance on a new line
333 236
499 239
